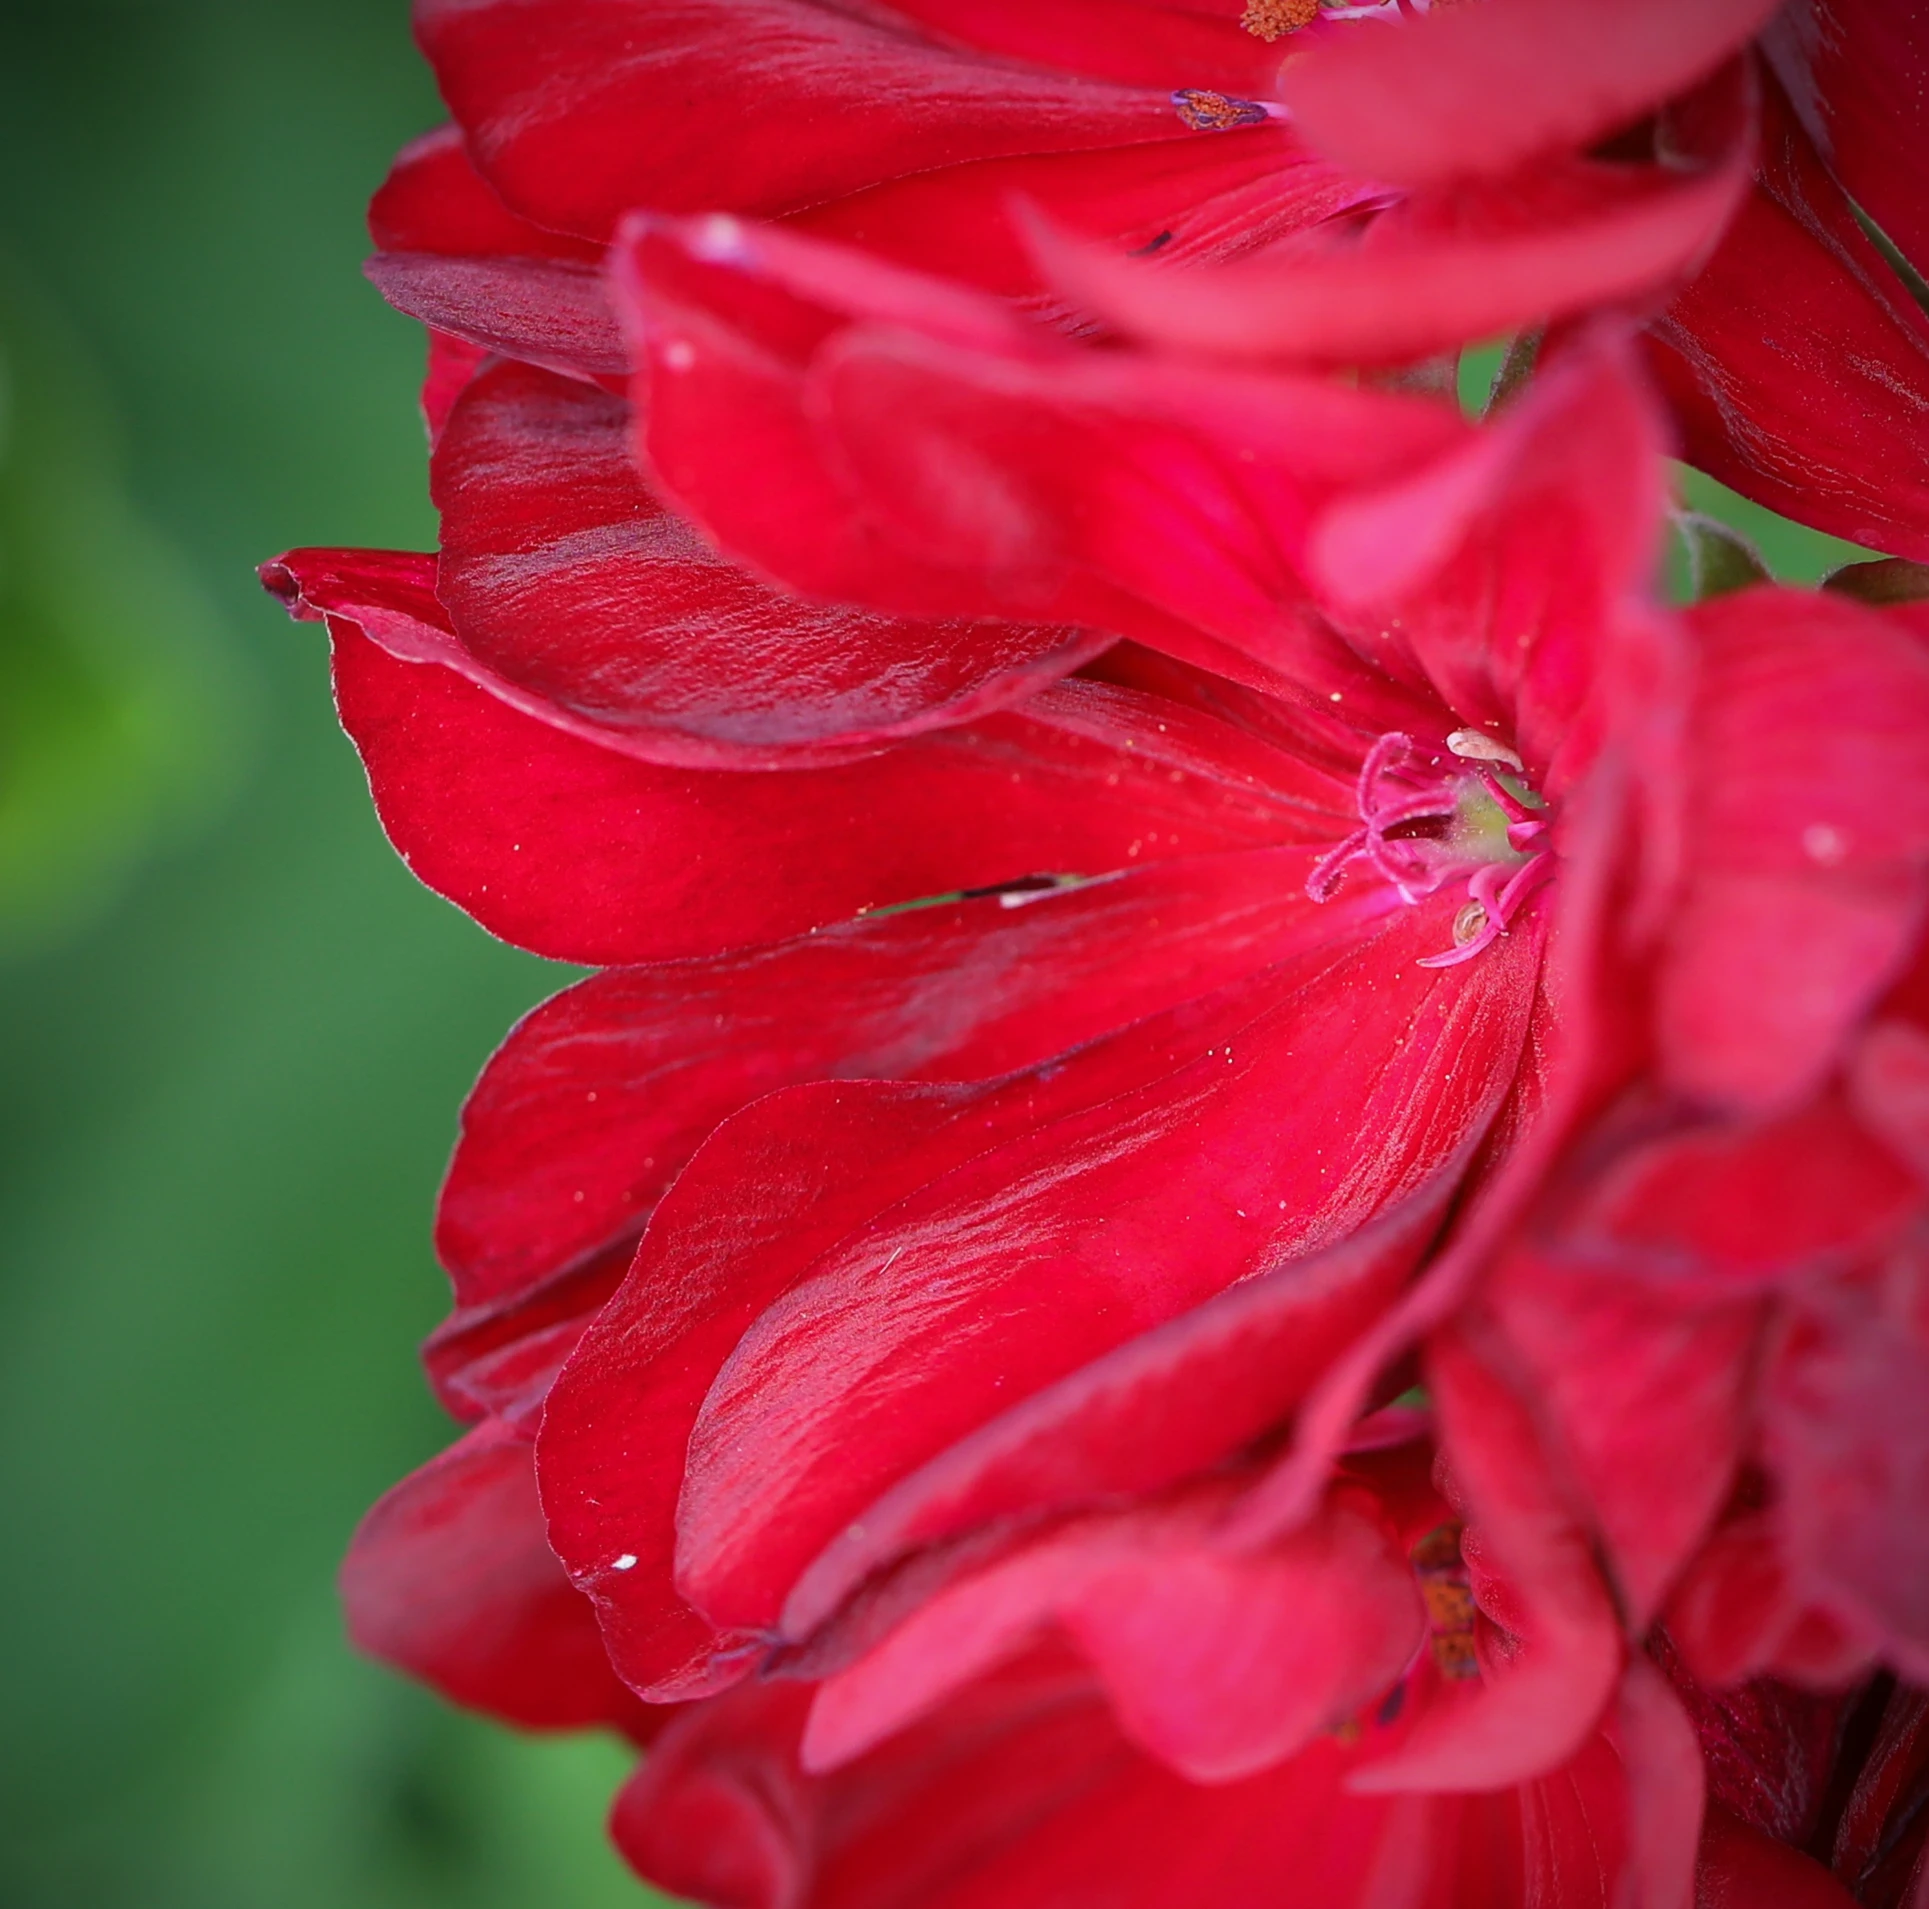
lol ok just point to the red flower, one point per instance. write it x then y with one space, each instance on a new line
1147 904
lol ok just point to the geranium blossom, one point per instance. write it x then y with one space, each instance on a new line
1157 888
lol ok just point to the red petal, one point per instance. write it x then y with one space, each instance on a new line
709 1267
1735 1604
920 452
563 575
1847 1439
585 854
1649 1395
1022 1796
1219 1664
1534 1712
1156 43
452 363
1203 199
1740 1868
497 1356
1456 93
434 200
1859 71
1172 1402
643 1371
1889 1088
1808 838
1433 275
1106 1217
1514 574
596 1100
1666 1788
550 312
1722 1211
450 1579
1798 363
763 106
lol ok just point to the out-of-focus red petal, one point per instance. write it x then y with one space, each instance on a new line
1889 1088
1798 363
1218 1663
1738 1613
453 362
598 1098
1433 274
1808 838
451 1579
1649 1394
922 452
1158 43
761 105
1846 1432
564 575
1666 1789
434 200
723 1813
1476 92
1022 1795
1533 1712
1725 1210
1209 199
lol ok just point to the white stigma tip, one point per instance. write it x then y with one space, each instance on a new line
627 1562
1475 747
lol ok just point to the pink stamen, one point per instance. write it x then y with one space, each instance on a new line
1500 908
1391 791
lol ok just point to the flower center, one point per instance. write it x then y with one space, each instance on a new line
1425 823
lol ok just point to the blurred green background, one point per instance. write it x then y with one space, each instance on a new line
233 1033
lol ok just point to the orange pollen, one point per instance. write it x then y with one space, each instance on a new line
1449 1601
1270 20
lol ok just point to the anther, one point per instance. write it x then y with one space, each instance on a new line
1209 112
1271 20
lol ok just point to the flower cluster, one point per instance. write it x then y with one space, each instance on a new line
1240 1214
